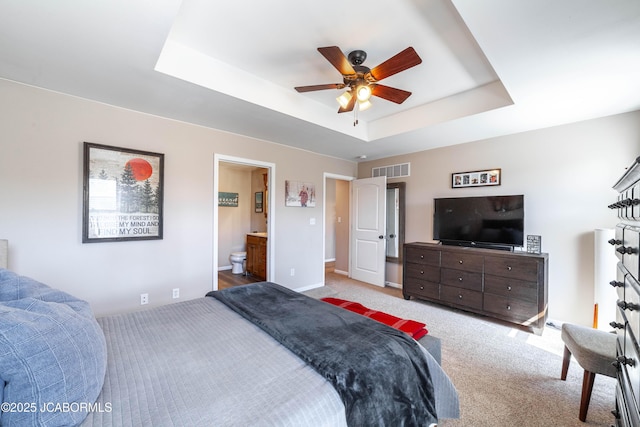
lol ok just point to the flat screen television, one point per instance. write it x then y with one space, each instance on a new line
495 222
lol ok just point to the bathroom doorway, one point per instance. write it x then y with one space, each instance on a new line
242 199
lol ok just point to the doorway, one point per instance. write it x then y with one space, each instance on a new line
358 262
248 184
336 223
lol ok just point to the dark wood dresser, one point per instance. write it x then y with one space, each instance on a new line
510 286
627 325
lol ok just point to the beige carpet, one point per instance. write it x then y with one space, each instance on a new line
504 376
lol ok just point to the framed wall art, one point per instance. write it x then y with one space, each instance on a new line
480 178
228 199
258 202
122 194
301 194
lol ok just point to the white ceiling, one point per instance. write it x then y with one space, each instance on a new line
490 67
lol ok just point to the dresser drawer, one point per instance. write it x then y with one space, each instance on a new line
630 308
421 288
461 297
514 267
422 256
635 211
461 279
512 309
619 284
619 238
463 261
633 369
511 288
631 247
422 272
626 402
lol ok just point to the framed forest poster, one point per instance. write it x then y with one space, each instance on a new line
122 194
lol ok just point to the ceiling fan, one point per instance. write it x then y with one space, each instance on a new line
362 82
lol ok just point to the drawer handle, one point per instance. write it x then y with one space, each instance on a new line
616 325
422 288
460 261
508 307
616 284
508 268
421 271
509 288
459 296
627 250
459 279
628 306
626 360
421 256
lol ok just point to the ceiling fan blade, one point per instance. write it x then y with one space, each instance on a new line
390 93
406 59
319 87
335 56
349 107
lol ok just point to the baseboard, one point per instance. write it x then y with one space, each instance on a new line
225 267
308 288
344 273
393 285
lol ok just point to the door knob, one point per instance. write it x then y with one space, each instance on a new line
381 237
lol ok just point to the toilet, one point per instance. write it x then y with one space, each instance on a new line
237 262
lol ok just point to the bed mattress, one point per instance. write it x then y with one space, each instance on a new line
197 363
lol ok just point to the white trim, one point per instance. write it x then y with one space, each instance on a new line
217 158
393 285
308 288
344 273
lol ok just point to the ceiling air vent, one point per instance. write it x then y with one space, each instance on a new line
393 171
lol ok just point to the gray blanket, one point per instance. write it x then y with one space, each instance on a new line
379 372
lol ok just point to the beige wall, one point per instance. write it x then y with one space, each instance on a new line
41 196
565 174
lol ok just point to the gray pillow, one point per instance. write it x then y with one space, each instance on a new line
52 354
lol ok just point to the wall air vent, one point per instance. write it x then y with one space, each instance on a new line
393 171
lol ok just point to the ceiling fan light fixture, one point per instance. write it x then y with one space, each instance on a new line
363 93
364 105
344 99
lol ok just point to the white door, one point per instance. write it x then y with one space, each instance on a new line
368 248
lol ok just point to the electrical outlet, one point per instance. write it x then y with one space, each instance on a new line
176 293
144 299
293 271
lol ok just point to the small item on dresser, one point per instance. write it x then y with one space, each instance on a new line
534 244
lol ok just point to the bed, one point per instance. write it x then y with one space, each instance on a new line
193 363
